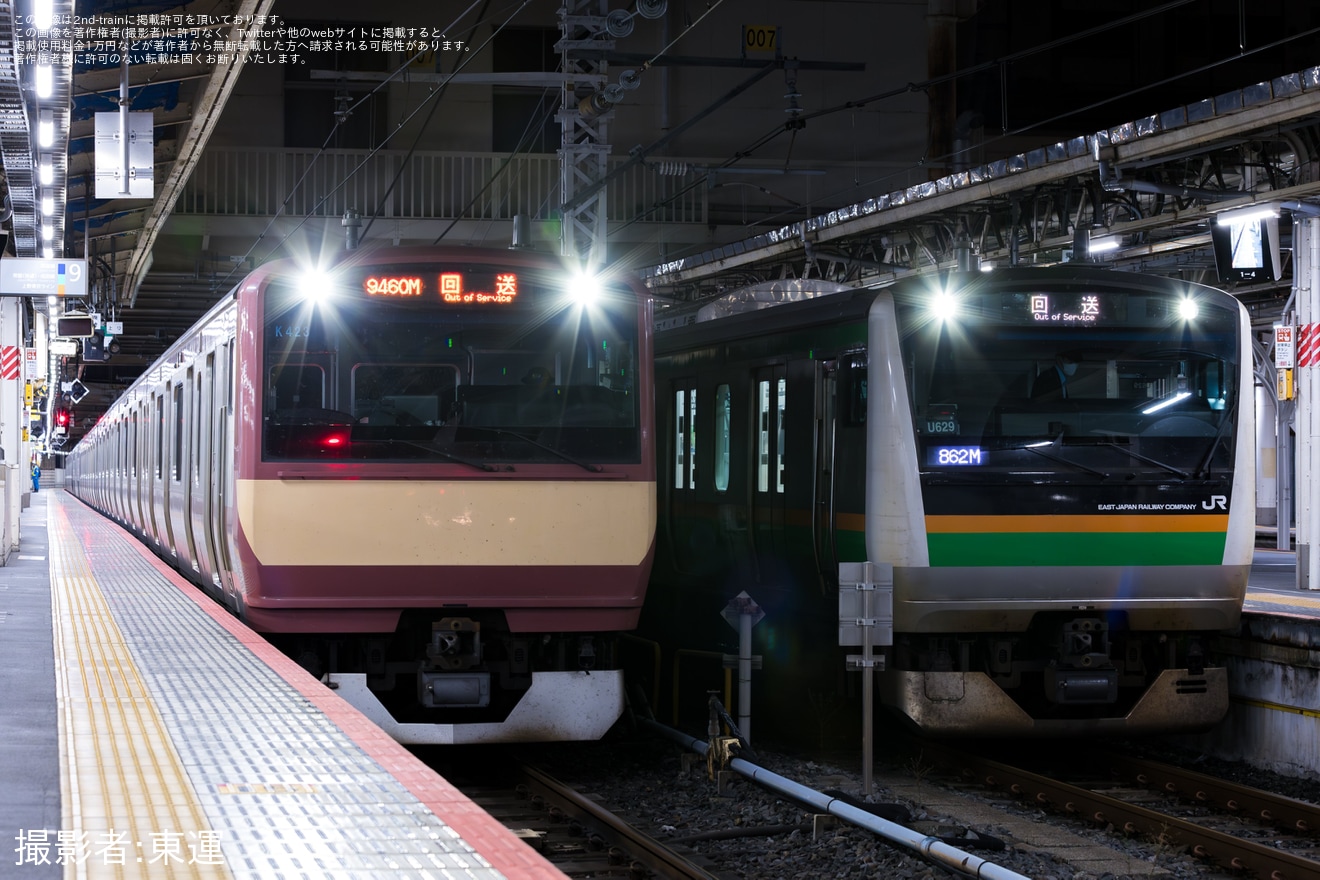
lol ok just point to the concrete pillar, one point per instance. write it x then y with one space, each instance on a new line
1306 419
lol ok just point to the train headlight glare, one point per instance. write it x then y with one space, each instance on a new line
944 306
1188 309
314 285
584 288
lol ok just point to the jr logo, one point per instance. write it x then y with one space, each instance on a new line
1216 502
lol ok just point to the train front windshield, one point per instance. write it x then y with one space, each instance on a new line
1086 384
479 367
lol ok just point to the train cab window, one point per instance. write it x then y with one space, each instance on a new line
723 425
404 394
522 376
297 387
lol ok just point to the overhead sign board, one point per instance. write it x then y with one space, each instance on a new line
34 276
113 179
64 348
760 39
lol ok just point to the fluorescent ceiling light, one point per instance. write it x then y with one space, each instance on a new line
1247 214
1166 402
46 170
46 128
45 79
47 204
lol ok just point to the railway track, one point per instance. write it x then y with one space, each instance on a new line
578 835
1236 827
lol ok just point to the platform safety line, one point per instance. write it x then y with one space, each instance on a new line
118 763
1275 707
1284 600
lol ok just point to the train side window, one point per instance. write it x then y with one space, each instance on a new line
685 438
771 398
853 390
176 466
779 436
160 436
723 426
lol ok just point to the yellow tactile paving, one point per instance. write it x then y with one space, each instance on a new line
129 809
1300 600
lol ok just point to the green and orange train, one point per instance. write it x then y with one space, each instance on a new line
1056 462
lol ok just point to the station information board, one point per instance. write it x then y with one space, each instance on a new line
34 276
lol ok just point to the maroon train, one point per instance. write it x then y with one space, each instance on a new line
427 474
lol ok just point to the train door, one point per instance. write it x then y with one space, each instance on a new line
192 472
175 527
222 473
135 472
823 484
682 482
121 469
155 461
202 487
769 401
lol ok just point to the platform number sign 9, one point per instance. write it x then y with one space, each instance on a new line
760 39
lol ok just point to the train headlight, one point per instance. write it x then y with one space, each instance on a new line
944 306
315 285
1188 309
583 288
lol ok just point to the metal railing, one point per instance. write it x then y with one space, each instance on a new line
256 182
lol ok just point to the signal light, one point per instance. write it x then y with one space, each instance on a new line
61 418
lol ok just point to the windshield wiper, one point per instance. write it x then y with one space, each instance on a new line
1081 467
1203 468
504 432
449 456
1139 457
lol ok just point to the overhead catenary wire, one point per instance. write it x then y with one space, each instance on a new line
412 148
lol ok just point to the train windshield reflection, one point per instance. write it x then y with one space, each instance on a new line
1001 390
535 380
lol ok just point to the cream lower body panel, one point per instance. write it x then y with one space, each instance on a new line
453 523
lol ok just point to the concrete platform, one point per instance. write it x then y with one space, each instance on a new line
147 733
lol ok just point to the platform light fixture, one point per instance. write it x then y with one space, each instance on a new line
45 80
43 14
46 169
1247 215
1103 244
46 128
47 204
